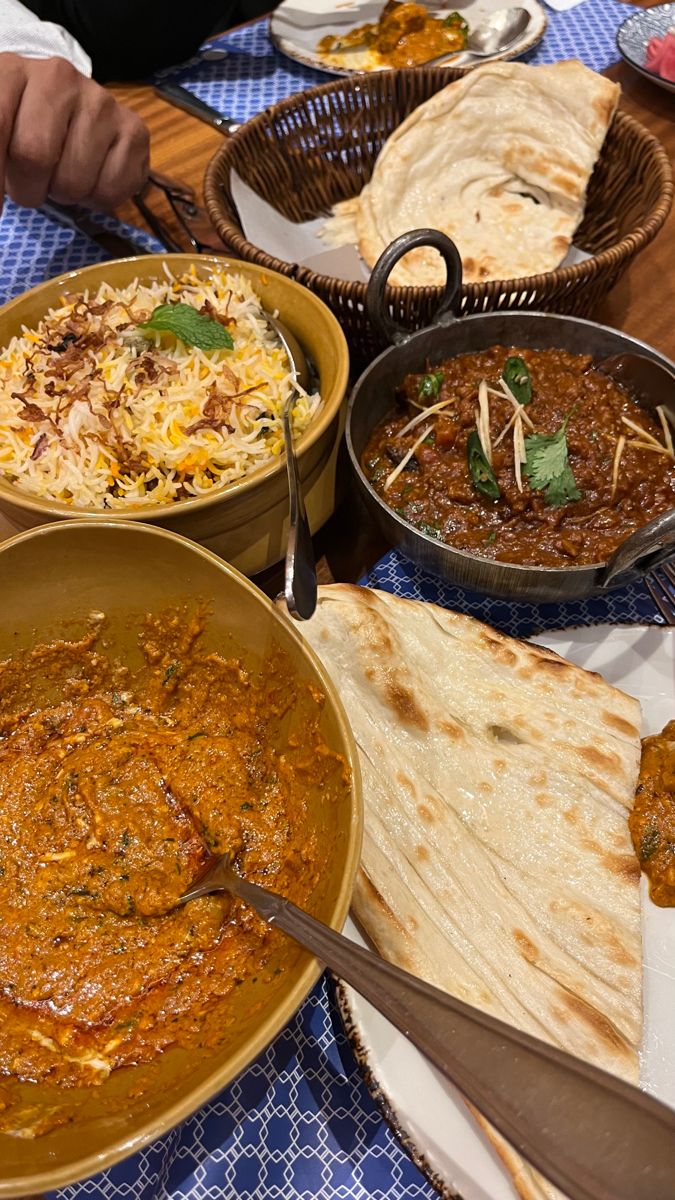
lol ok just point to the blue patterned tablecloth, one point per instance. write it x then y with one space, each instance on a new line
255 75
299 1124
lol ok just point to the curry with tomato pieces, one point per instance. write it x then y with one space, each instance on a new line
652 821
523 456
116 786
405 35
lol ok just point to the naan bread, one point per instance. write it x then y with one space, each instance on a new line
499 160
497 861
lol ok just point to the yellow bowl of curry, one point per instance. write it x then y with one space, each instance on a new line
155 709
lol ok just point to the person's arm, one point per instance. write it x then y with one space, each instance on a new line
21 32
61 135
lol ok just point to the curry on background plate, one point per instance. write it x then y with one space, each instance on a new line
405 35
523 456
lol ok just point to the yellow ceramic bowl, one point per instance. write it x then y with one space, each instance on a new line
50 579
246 521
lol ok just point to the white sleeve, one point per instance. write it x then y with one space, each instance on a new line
21 32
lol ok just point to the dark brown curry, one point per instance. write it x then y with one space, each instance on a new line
115 787
556 478
652 821
404 36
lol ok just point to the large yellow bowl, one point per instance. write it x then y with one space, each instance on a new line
246 521
50 579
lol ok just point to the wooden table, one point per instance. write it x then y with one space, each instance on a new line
642 304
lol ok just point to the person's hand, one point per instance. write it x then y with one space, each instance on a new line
63 136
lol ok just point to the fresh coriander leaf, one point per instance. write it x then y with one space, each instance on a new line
481 472
562 489
192 327
546 456
649 844
454 20
431 530
170 670
547 466
491 537
517 377
430 385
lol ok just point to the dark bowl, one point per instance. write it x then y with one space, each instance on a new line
373 397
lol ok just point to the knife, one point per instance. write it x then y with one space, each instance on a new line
117 245
182 98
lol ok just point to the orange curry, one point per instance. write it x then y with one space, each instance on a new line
116 785
652 821
406 35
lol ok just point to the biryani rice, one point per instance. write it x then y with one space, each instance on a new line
97 413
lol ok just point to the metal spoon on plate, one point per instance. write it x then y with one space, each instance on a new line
589 1133
493 36
300 582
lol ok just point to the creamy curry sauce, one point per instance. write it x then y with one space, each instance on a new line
115 787
652 821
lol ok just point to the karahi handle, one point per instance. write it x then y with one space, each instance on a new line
592 1135
650 545
377 304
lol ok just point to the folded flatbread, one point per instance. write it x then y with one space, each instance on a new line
497 861
500 160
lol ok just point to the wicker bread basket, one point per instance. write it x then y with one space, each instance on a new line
317 147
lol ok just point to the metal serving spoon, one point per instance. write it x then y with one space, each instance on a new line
646 379
300 583
592 1135
494 35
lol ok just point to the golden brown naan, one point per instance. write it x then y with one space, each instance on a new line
499 160
497 862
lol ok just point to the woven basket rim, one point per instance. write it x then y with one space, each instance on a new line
628 246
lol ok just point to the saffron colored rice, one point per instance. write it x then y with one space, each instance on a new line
97 413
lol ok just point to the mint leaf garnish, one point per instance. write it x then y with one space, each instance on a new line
192 327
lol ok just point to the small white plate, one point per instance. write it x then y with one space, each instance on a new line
637 31
297 26
426 1113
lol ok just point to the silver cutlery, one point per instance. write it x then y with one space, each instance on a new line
493 36
185 100
592 1135
300 582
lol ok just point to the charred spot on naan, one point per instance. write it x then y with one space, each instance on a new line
497 647
382 915
624 866
593 928
404 704
620 725
603 1029
452 729
405 781
526 946
604 761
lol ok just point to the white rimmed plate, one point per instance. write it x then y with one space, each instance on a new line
425 1112
637 31
297 26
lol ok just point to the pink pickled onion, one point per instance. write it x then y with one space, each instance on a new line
660 56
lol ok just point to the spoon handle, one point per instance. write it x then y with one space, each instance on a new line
592 1135
300 587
